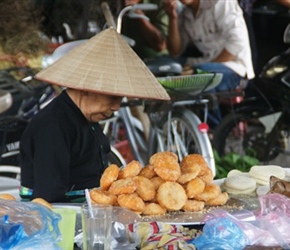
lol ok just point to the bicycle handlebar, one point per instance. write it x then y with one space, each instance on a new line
130 8
145 6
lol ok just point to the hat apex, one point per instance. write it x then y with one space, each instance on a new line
107 64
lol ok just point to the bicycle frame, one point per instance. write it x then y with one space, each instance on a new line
137 144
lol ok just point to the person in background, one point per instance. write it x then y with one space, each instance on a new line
63 149
148 33
247 7
285 3
218 29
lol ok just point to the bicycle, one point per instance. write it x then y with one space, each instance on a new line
173 126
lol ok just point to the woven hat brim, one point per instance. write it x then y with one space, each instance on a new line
106 64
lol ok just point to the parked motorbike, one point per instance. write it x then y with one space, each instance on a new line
20 100
260 125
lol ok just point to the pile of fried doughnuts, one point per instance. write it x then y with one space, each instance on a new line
6 196
161 186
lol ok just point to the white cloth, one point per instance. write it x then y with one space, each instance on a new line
218 25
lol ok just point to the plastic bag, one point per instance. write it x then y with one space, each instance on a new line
268 226
221 233
28 225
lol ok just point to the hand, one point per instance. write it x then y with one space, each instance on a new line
131 2
170 7
187 70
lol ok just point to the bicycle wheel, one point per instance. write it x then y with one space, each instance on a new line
115 157
244 134
182 136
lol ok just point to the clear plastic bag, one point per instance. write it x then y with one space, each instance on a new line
221 232
28 225
268 226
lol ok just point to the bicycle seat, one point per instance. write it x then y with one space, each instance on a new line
5 100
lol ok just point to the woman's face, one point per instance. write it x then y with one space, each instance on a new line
97 107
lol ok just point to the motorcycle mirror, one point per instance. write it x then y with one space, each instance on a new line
286 37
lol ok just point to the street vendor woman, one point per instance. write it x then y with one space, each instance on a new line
63 149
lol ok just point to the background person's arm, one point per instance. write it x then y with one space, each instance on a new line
149 31
173 39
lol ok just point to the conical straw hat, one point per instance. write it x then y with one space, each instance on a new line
106 64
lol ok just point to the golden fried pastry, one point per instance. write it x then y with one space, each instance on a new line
145 188
123 186
207 176
153 209
42 202
157 181
164 154
148 172
194 187
195 159
220 200
132 202
102 197
189 169
110 174
193 205
7 197
131 170
166 166
171 195
210 191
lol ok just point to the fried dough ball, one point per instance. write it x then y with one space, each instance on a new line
148 172
171 195
102 197
131 201
165 166
110 174
42 202
189 169
157 181
123 186
220 200
194 187
197 159
156 156
186 177
207 176
193 206
210 191
131 170
153 209
145 188
7 197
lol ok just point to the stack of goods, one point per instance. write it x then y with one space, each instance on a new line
161 186
256 181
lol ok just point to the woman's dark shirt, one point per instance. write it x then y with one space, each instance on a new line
61 151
